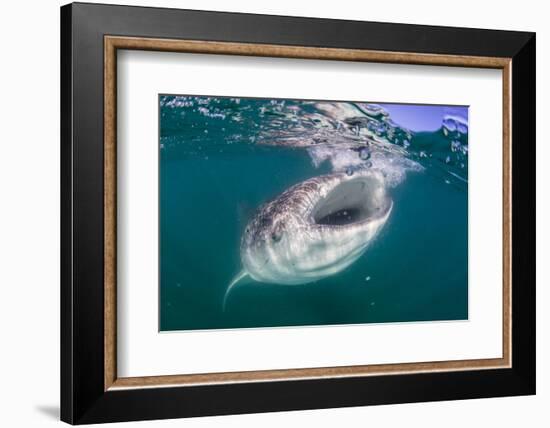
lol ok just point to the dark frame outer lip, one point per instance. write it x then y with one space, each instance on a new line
114 43
83 399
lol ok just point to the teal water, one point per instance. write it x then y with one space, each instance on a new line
221 159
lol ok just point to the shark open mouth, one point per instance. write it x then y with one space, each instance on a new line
352 201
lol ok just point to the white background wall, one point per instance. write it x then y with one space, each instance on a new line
29 214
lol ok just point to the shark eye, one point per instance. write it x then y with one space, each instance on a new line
276 236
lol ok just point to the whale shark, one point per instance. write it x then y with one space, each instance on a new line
314 229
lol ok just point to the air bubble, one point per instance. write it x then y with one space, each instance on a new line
364 154
349 171
462 128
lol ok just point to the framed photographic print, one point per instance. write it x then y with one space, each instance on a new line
265 213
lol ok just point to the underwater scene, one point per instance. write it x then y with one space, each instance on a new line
282 212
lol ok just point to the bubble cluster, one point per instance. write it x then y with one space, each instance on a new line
347 135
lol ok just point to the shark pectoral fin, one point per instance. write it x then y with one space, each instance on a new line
241 278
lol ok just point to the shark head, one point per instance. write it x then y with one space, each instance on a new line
316 228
